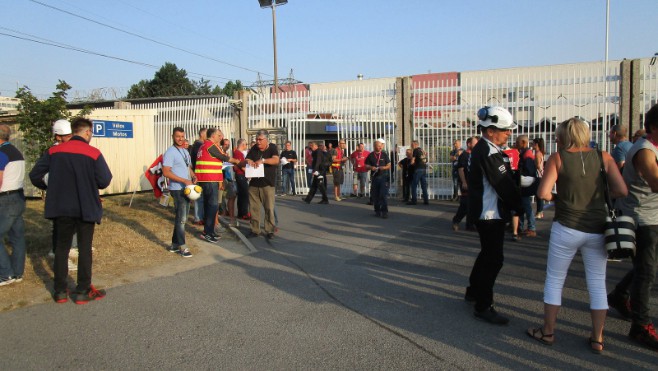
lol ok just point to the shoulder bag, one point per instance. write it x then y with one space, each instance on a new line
619 229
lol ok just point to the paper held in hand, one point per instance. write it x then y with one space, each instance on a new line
252 172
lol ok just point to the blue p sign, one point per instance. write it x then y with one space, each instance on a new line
99 128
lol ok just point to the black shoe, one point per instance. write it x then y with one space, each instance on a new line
490 315
172 248
360 194
209 238
644 335
426 203
621 305
324 202
305 200
469 296
269 236
411 203
378 215
89 295
252 234
352 195
385 215
61 297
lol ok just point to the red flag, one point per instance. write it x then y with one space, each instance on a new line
154 176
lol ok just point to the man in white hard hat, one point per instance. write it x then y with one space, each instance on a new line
493 194
62 131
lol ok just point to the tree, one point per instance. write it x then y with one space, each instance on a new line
168 81
35 118
231 87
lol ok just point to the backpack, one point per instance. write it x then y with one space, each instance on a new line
325 164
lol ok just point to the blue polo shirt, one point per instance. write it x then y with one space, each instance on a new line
179 160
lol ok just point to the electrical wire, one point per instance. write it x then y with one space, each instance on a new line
147 38
41 40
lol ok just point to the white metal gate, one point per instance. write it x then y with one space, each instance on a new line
358 111
444 110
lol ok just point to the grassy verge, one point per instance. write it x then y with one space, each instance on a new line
128 240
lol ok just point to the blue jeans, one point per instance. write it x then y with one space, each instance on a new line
210 196
526 201
181 208
288 180
12 225
198 209
380 186
420 175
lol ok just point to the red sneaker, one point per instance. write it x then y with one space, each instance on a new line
89 295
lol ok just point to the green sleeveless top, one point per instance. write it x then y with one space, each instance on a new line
580 202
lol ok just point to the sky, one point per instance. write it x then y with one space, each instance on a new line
318 40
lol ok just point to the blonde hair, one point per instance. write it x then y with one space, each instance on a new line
573 133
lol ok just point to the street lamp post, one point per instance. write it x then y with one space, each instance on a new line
273 4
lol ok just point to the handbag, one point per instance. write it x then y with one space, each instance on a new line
619 229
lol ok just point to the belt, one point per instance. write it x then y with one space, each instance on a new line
7 193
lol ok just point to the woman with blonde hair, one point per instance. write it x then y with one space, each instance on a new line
580 212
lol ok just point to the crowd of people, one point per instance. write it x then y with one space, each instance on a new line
496 186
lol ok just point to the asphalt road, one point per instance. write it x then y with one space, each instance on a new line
336 289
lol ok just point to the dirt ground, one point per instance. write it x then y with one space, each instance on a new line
129 246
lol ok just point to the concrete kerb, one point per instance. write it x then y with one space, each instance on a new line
240 235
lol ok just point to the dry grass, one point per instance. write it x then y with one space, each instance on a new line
128 240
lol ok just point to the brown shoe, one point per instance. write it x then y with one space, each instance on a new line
455 227
529 233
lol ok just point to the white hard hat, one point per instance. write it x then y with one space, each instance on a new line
497 117
62 127
381 140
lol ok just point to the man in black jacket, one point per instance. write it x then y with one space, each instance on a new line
320 172
493 193
76 171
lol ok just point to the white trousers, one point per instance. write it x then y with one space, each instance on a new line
562 248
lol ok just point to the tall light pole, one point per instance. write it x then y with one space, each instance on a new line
273 4
605 72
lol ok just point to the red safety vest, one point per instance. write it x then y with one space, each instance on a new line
208 168
339 156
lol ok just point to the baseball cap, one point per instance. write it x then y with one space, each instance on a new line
497 117
62 127
381 140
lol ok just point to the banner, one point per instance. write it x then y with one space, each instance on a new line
154 176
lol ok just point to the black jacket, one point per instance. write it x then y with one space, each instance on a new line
76 171
490 181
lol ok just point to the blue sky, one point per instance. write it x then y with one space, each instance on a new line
320 40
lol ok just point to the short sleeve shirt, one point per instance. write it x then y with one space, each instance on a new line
420 161
359 159
620 151
179 160
255 154
289 155
12 165
378 160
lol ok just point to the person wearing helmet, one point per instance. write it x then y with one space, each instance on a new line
493 194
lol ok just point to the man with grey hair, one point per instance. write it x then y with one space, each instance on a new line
12 206
261 190
619 137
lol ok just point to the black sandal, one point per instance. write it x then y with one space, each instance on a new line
542 338
594 350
